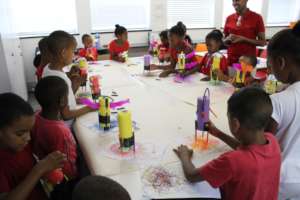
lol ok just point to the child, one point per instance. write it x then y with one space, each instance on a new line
99 188
89 52
49 132
178 45
284 60
61 46
252 169
214 43
19 173
164 47
44 58
119 47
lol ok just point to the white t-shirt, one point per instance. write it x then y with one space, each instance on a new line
63 75
286 112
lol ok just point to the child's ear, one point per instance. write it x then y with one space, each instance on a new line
62 102
281 63
235 125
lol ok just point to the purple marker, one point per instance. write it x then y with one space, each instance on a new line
147 61
203 111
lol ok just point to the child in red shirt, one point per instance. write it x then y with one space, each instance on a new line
177 45
252 169
89 52
214 43
118 48
164 47
19 172
50 133
44 55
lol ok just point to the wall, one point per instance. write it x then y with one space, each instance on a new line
158 23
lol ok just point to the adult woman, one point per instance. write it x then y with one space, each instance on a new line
244 30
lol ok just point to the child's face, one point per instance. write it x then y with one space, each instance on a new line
212 46
123 37
164 41
17 135
68 54
88 42
174 40
279 69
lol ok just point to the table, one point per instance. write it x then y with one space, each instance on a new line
165 114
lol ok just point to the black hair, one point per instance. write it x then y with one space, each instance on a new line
286 43
119 30
99 188
164 34
43 45
37 60
217 36
59 40
85 36
252 106
179 29
13 107
253 60
49 91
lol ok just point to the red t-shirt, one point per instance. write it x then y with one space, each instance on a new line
89 52
250 172
186 49
49 136
206 64
14 168
251 24
116 49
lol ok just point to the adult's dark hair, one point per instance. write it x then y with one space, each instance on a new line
119 30
13 107
59 40
286 43
49 91
99 188
252 106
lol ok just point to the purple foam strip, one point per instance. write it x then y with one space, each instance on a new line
191 65
93 105
190 55
237 66
147 60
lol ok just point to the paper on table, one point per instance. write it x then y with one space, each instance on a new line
168 181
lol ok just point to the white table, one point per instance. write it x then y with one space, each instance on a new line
164 111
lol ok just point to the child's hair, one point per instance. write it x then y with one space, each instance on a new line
37 60
179 29
12 107
119 30
49 91
99 188
164 34
84 37
59 40
252 106
215 35
43 45
286 43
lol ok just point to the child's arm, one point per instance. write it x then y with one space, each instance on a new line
230 141
51 162
190 72
190 171
117 58
68 114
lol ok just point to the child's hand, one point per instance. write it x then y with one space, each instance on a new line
213 130
183 152
153 67
74 71
51 162
164 74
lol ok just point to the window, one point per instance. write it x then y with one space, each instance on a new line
43 16
254 5
193 13
283 12
133 14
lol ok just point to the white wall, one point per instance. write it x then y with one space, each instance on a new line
158 23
